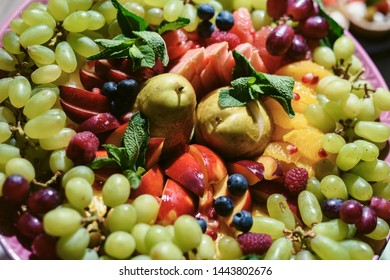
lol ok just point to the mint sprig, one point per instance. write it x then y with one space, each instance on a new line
137 41
248 84
130 157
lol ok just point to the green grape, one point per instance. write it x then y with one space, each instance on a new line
189 12
271 226
36 35
351 106
357 187
141 258
206 248
119 245
80 171
325 167
337 89
6 115
328 249
2 179
79 192
324 56
188 233
332 142
335 229
260 18
314 186
58 161
72 246
357 249
349 155
18 25
333 186
19 91
155 235
139 232
381 230
281 249
259 4
370 151
323 83
90 254
11 43
305 255
356 65
96 20
155 3
8 152
334 110
229 248
343 47
154 16
200 1
22 167
382 189
41 54
37 5
8 61
372 171
360 87
46 74
147 208
351 230
242 3
166 251
59 9
79 5
116 190
61 221
135 7
107 9
40 103
58 141
114 29
38 16
309 208
372 131
381 99
5 132
278 209
77 21
122 217
82 44
368 111
319 118
49 86
65 57
4 89
172 9
45 125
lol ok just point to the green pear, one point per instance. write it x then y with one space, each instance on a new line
168 101
233 132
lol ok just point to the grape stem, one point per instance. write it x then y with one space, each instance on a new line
49 182
18 129
300 236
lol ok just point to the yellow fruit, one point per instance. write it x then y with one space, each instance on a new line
306 96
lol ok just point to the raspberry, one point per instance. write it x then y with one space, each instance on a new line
296 180
219 36
254 243
82 147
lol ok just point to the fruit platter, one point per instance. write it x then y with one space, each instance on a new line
197 130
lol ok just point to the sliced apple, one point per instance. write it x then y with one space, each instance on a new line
253 171
90 100
90 80
272 167
153 151
186 170
101 68
152 182
98 124
75 113
116 75
176 200
115 137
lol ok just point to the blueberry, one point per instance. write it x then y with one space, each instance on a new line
109 89
128 88
205 11
205 29
202 223
223 205
224 20
243 221
237 184
120 106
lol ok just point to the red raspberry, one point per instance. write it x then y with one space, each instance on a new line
82 147
254 243
295 180
219 36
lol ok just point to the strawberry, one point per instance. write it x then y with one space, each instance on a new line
254 243
295 180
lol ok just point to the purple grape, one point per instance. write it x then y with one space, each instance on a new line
44 247
15 188
29 225
381 206
276 9
298 48
367 221
331 207
314 27
299 9
351 211
280 39
43 200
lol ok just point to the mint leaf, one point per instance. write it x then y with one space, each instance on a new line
117 153
128 21
134 177
120 51
248 84
104 163
156 43
166 26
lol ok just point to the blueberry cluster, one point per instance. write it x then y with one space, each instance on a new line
121 95
224 20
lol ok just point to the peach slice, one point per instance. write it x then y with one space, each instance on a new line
75 113
243 202
272 168
176 200
152 182
253 171
98 124
90 80
115 137
153 151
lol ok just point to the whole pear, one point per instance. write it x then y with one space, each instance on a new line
233 132
168 101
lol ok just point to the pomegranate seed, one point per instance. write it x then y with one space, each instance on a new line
322 153
292 149
310 78
296 96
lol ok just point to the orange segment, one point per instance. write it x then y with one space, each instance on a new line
306 96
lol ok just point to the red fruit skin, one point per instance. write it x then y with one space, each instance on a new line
100 123
254 243
82 147
223 36
381 206
367 222
351 211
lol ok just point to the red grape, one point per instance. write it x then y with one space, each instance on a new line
280 39
298 48
44 247
367 221
381 206
351 211
314 27
15 188
299 9
276 9
29 225
43 200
